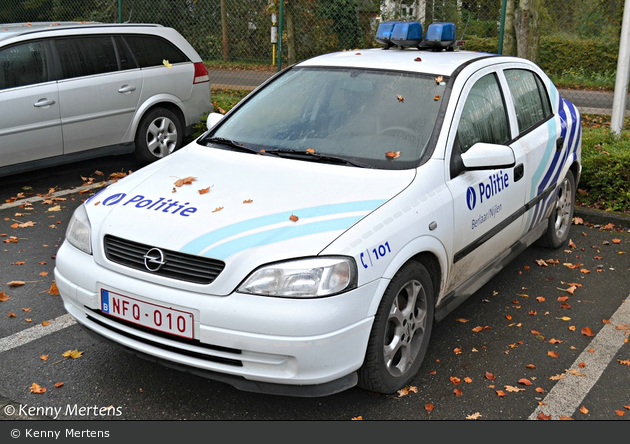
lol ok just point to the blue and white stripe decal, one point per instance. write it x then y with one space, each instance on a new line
548 174
223 242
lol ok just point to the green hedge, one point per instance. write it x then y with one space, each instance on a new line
559 54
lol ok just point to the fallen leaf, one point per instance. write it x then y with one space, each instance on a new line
58 384
72 354
185 181
44 357
525 381
437 97
565 418
53 289
584 410
462 320
36 388
217 209
457 392
429 407
247 201
620 412
553 354
4 297
542 417
167 63
393 154
587 332
204 190
616 241
455 380
511 388
15 283
400 98
439 79
358 418
294 218
310 150
490 376
476 415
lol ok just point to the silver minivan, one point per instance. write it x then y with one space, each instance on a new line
72 91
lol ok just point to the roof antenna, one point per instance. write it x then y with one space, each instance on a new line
466 26
131 11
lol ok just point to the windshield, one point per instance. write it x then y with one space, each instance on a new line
378 119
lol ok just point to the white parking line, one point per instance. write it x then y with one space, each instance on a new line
567 395
32 199
36 332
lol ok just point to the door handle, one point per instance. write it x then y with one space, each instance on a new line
519 172
126 89
42 103
559 143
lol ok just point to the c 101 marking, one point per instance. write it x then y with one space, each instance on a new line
377 252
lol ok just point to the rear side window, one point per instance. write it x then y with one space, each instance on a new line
86 56
484 117
152 51
530 98
22 65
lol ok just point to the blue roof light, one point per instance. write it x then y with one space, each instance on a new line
439 35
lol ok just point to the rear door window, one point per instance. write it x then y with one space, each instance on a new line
152 51
86 56
530 98
22 65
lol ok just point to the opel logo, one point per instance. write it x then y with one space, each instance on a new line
154 259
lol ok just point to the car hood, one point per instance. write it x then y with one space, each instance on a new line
227 205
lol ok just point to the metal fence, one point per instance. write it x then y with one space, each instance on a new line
246 41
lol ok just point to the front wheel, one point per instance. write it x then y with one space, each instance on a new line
560 219
159 134
401 331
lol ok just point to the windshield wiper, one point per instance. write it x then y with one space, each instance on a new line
314 156
231 143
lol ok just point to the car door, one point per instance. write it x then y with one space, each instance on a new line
487 200
541 137
30 122
99 91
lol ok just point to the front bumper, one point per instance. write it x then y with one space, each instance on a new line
270 345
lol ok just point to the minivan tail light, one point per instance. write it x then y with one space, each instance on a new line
201 73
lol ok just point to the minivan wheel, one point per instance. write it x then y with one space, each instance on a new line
159 134
561 217
401 331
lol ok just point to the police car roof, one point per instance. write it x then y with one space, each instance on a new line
409 59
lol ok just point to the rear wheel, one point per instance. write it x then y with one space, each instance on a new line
401 331
560 219
159 134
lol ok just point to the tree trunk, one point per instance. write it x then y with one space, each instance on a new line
224 28
526 29
509 39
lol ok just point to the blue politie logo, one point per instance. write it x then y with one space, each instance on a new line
161 204
114 199
471 198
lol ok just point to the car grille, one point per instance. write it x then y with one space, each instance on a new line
181 266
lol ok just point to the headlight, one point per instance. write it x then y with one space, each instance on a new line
78 232
303 278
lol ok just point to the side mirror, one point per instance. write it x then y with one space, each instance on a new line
213 119
483 156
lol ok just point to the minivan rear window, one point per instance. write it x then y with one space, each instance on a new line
152 51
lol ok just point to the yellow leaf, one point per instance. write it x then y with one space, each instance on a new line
167 64
72 354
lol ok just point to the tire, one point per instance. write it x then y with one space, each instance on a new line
559 223
401 331
159 134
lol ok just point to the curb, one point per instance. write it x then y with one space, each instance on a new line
599 217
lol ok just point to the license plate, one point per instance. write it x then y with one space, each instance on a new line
147 314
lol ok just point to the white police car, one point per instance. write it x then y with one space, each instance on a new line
308 241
